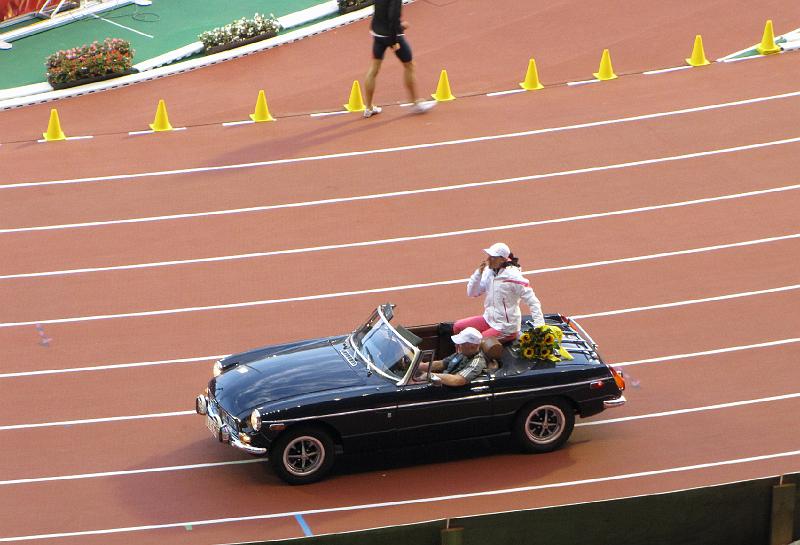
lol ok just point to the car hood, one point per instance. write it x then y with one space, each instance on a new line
303 369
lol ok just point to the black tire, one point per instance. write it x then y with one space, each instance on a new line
544 425
302 455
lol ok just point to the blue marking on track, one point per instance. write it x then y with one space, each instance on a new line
302 522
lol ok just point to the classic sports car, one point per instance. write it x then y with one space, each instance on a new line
301 403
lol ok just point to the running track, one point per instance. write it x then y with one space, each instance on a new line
661 208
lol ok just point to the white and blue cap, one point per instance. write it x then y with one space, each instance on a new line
498 249
469 335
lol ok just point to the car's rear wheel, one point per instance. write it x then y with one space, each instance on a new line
544 425
302 455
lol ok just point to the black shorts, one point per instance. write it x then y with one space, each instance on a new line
379 46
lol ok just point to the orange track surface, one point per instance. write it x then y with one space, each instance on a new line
572 172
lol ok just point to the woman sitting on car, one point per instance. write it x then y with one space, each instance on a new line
500 278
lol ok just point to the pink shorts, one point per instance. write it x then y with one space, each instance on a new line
480 324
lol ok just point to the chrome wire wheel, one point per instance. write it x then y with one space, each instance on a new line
544 424
303 456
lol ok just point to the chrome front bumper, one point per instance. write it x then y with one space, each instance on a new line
616 402
221 431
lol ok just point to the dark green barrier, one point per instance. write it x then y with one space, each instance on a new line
732 514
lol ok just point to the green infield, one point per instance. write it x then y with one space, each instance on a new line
153 30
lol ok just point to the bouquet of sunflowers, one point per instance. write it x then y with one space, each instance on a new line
542 343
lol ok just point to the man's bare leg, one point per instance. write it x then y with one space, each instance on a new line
369 81
410 77
410 80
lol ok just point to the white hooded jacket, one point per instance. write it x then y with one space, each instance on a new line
503 293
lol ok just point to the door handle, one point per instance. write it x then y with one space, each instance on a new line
479 388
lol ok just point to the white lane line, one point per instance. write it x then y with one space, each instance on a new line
237 123
132 133
502 93
686 302
93 421
325 114
582 82
665 70
129 472
708 352
387 241
364 292
43 141
403 193
692 410
462 232
411 147
414 501
219 464
60 423
122 26
107 367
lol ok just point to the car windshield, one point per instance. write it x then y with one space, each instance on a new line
383 348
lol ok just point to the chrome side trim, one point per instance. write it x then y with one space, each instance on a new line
547 387
345 413
438 401
616 402
360 411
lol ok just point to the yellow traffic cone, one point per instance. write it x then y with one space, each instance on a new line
531 82
262 112
356 102
161 122
443 93
768 46
605 72
698 57
54 131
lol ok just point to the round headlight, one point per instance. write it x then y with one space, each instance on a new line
255 420
217 369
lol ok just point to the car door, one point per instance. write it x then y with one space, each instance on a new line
428 412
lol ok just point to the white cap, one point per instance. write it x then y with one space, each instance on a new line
498 249
469 335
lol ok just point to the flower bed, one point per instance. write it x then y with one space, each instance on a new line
112 57
346 6
240 32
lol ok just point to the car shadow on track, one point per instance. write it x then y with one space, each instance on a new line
466 454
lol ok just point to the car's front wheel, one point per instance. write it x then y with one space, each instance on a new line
544 425
302 455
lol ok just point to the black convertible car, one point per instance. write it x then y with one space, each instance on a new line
301 403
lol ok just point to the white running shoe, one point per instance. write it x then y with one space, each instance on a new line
375 110
422 107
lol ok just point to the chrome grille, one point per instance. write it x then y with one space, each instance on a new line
226 418
229 420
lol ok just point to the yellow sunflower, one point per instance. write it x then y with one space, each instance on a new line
528 353
525 338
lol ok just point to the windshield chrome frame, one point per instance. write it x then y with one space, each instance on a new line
414 349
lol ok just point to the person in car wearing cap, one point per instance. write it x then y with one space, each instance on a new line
464 365
500 278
